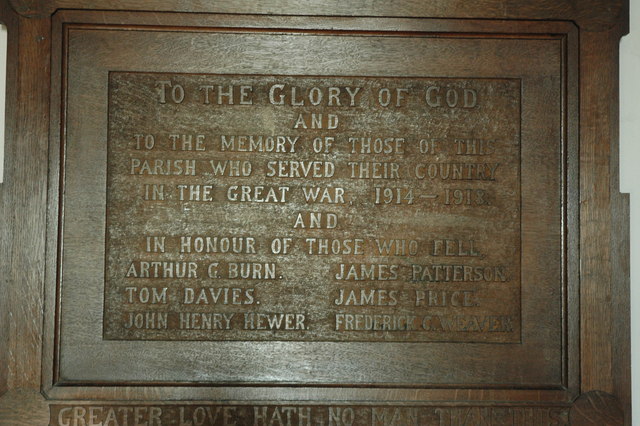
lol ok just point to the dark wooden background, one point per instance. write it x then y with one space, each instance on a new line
604 245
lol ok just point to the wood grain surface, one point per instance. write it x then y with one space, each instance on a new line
590 14
596 408
593 307
604 281
23 201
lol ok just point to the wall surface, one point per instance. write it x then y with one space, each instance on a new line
630 177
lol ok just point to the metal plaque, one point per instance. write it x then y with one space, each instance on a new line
266 207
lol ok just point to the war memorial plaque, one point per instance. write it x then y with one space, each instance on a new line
294 214
306 208
266 210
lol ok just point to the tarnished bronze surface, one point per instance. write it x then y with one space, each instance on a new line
313 208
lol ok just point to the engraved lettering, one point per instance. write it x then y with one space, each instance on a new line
300 169
146 320
367 272
458 273
166 167
246 207
276 321
372 297
258 143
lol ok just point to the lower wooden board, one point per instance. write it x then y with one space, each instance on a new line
304 415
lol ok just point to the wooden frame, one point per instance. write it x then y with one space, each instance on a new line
596 376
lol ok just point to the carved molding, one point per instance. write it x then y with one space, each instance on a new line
598 15
33 8
592 15
596 408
